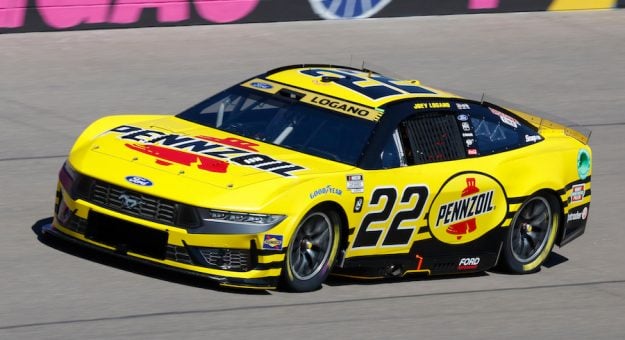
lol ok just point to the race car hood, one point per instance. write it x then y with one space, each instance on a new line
185 149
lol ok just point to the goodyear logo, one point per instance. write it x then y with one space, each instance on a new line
468 206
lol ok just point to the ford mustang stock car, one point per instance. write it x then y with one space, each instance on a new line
308 170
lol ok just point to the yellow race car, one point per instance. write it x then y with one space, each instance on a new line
309 170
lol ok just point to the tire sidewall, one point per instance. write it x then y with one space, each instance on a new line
520 267
293 283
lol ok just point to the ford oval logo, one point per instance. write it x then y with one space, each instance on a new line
261 85
138 180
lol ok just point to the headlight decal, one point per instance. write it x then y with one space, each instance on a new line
231 222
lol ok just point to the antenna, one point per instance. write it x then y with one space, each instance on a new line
482 100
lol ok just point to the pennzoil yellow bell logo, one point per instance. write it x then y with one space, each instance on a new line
468 206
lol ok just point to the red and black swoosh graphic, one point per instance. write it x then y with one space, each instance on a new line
166 156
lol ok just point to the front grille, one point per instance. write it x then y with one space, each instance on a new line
125 236
226 259
136 203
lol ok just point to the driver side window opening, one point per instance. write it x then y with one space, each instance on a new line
431 137
393 154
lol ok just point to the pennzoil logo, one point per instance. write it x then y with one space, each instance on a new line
461 215
206 153
466 208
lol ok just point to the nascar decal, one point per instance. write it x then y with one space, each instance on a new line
467 207
209 153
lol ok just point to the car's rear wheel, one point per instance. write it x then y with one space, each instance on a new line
531 235
312 251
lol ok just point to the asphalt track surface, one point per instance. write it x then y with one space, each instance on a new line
53 84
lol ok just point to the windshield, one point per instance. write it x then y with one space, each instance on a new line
284 121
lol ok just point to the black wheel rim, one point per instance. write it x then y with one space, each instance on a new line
530 229
311 246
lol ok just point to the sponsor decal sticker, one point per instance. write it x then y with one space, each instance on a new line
577 215
469 142
328 189
138 180
463 106
532 139
506 119
273 242
355 183
578 192
472 152
358 204
467 135
468 206
261 85
462 118
468 263
205 152
466 126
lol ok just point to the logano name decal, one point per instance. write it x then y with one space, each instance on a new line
210 154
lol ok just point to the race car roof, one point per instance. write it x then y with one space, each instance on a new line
360 86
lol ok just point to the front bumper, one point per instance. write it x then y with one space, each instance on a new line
230 260
254 283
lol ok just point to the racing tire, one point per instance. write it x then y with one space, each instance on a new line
312 251
531 235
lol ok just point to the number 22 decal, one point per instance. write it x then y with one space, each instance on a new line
395 236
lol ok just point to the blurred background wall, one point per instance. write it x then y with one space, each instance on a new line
57 15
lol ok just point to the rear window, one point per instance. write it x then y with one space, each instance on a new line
497 131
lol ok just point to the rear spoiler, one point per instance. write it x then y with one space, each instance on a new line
579 132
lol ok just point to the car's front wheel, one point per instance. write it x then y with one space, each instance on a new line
312 251
531 235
